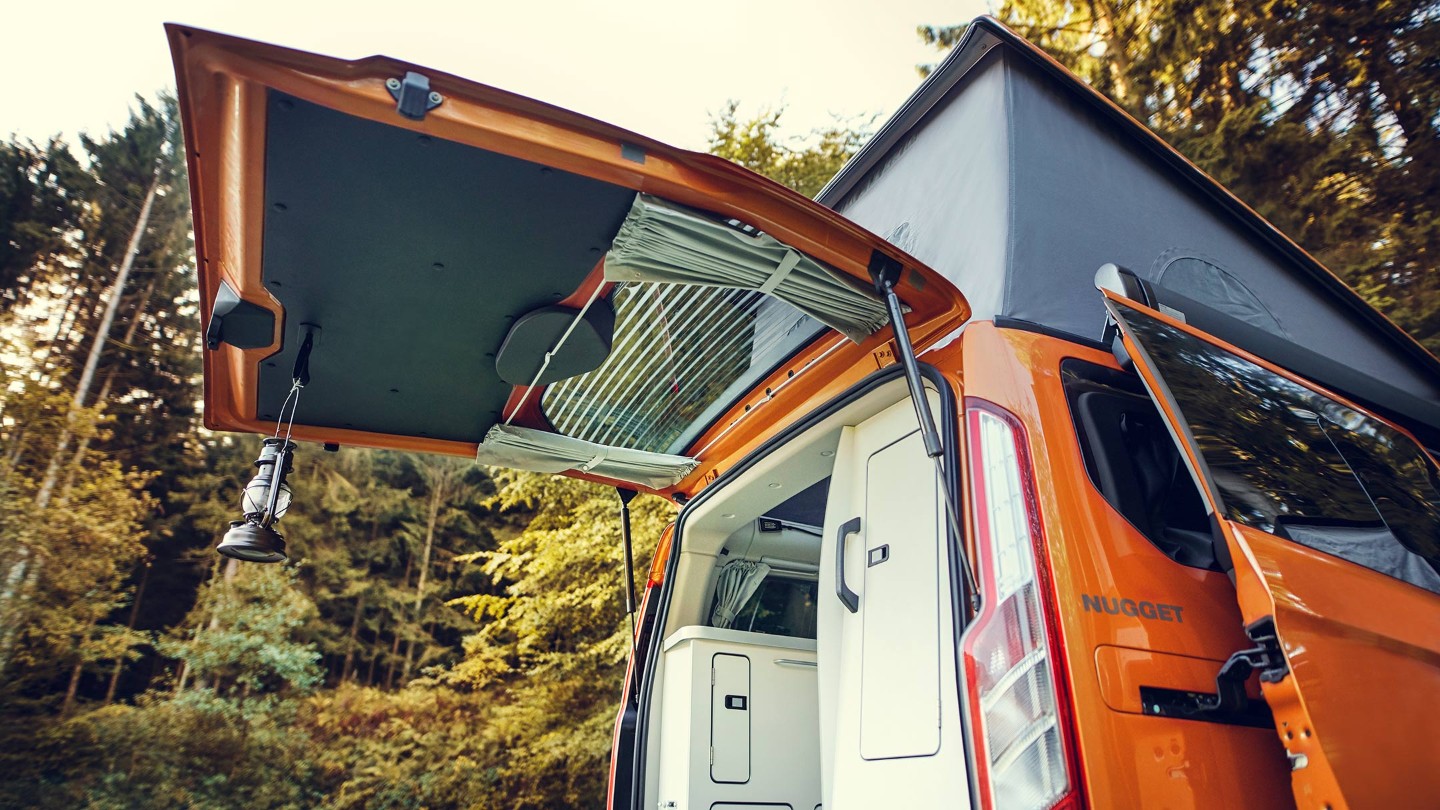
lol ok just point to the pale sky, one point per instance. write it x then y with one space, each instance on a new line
657 67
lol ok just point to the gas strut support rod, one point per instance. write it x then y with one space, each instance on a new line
626 496
885 272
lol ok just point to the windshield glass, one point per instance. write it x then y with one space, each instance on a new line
1289 460
682 354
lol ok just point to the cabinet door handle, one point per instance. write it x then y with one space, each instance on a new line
848 598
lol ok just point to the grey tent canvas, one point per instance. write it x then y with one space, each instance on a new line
1017 182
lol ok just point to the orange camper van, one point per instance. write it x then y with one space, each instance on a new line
1083 486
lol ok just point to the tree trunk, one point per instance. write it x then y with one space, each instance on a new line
104 394
1102 14
399 623
78 670
72 689
390 665
409 660
441 477
25 572
134 617
375 649
227 575
345 669
98 341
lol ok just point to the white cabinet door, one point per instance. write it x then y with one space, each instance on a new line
730 718
889 698
900 616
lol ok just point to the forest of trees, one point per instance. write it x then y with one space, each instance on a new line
452 636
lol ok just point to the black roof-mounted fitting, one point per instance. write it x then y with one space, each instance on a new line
301 373
413 96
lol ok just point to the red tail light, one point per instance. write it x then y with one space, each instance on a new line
1023 742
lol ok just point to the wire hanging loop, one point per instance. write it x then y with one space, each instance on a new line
299 378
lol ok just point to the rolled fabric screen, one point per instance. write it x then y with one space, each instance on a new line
523 448
660 241
738 581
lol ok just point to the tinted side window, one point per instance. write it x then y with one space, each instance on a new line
781 607
1291 461
1134 463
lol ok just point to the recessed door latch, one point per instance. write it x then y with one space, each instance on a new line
1229 703
413 96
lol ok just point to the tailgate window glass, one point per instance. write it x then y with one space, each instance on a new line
1288 460
682 354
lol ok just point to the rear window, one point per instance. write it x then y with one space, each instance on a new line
1288 460
780 607
682 354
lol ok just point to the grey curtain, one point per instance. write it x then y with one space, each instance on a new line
737 582
541 451
660 241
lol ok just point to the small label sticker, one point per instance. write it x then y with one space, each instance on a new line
885 355
1173 312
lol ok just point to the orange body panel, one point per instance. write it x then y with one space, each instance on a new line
1123 670
1127 759
1364 652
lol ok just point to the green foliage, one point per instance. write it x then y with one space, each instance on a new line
415 748
556 637
247 637
42 191
195 750
66 562
804 164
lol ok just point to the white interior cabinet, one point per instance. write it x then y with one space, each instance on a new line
739 721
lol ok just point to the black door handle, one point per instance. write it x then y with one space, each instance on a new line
848 598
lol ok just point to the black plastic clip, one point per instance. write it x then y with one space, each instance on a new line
413 96
301 373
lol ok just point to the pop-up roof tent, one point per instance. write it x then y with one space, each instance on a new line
1017 182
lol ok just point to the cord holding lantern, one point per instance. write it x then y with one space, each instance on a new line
267 496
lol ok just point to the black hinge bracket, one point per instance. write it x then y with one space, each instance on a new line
413 96
1265 658
1229 704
